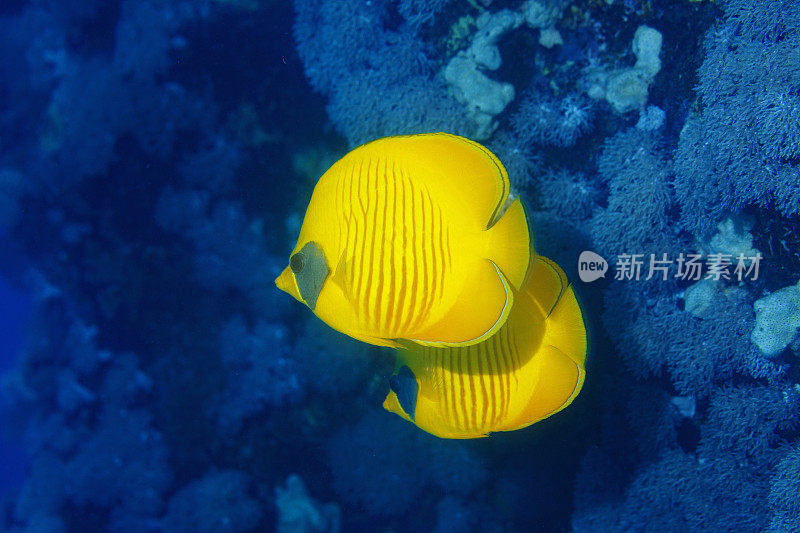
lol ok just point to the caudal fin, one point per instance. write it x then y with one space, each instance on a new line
566 328
481 309
510 243
561 381
560 358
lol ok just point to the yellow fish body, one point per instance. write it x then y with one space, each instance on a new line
405 238
530 369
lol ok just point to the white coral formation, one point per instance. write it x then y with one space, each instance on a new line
483 96
626 89
699 298
299 513
465 73
733 238
778 321
732 241
541 14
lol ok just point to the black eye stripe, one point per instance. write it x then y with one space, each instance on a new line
296 262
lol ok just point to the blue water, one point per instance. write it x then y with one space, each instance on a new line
15 309
156 161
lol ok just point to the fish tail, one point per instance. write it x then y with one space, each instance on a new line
563 383
554 295
510 243
566 327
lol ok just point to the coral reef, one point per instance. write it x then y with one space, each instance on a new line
638 217
259 372
741 147
545 120
216 502
626 89
777 321
298 513
157 157
379 80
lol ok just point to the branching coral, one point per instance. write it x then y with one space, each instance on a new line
725 484
543 119
741 148
653 335
379 80
784 487
638 218
123 465
569 195
230 251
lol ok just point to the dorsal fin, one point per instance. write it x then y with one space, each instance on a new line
546 282
460 173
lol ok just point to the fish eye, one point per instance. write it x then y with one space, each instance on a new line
296 262
394 384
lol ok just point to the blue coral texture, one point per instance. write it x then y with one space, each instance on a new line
156 161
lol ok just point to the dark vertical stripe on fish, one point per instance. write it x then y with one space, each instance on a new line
361 223
516 355
491 366
372 263
502 375
471 351
509 370
352 232
443 261
402 282
381 229
480 363
422 237
392 254
411 253
434 261
451 389
463 393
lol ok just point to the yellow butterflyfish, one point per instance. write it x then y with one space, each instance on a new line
530 369
409 237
